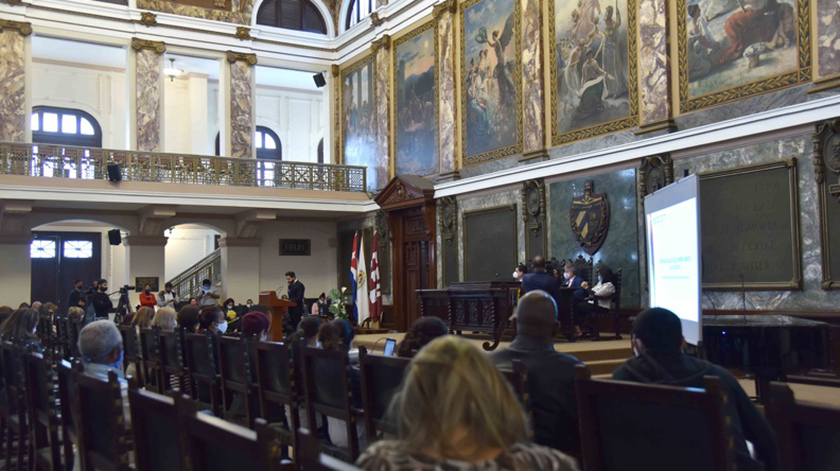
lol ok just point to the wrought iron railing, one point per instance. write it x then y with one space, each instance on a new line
188 283
57 161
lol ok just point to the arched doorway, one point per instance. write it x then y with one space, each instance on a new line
192 254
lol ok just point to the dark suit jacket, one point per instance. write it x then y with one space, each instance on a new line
296 292
575 283
543 281
551 386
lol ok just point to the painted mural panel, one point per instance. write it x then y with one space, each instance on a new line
358 111
828 37
732 49
491 88
416 140
594 68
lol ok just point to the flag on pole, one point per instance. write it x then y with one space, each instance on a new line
354 315
363 298
375 288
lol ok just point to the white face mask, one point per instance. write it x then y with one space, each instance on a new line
567 275
515 275
222 327
230 306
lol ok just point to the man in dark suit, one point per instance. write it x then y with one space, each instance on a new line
551 374
574 281
296 292
539 279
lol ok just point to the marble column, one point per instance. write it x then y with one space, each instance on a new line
654 66
241 103
146 257
532 76
13 80
149 84
444 14
15 284
381 88
336 119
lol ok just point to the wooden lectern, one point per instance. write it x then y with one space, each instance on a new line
277 307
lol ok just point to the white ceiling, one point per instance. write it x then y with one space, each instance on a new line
196 65
47 48
285 78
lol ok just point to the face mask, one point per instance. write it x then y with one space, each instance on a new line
205 288
147 291
249 305
117 365
567 275
318 344
230 306
515 275
222 327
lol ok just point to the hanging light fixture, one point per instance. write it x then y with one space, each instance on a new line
172 71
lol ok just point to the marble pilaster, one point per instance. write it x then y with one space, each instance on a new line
148 59
13 80
446 83
382 67
654 63
532 76
241 103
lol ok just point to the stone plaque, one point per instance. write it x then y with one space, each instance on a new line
295 247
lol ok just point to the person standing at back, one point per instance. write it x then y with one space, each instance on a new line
296 294
540 279
102 304
77 297
209 294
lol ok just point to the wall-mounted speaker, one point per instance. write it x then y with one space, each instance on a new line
114 237
319 79
114 173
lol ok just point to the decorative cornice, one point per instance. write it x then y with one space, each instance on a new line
12 2
140 44
382 43
22 27
376 20
234 57
335 69
663 125
538 155
449 6
243 33
148 19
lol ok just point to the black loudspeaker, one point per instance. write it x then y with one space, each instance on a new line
114 237
319 79
114 173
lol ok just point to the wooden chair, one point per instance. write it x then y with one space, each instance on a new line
69 406
518 379
583 267
236 376
809 433
157 422
203 373
381 380
103 438
45 447
215 445
613 313
172 361
277 390
131 350
311 458
630 426
14 409
150 359
61 335
328 392
73 330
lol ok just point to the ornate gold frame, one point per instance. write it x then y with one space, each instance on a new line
495 154
631 121
466 214
367 59
799 75
795 282
824 132
431 24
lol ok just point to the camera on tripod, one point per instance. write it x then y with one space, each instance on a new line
125 289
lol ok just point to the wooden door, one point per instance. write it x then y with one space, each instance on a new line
414 256
68 256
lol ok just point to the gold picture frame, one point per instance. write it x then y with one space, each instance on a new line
365 60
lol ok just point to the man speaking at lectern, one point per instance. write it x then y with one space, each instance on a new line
296 292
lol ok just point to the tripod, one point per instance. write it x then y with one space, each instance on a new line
123 307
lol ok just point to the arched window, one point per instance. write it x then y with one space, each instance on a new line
266 142
300 15
358 11
65 126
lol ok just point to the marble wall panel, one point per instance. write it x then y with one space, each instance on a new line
653 57
241 109
149 94
239 13
620 249
532 76
382 67
12 86
486 201
811 297
828 37
446 107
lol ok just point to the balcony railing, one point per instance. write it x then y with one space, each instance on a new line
56 161
188 283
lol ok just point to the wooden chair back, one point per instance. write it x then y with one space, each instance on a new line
328 392
215 445
202 354
150 358
809 433
103 438
131 350
517 377
382 379
235 372
157 422
276 389
61 335
13 382
311 458
73 330
68 401
632 426
583 267
43 418
171 360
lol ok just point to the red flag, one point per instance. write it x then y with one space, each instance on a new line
353 276
375 288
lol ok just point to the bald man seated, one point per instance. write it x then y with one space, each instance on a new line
551 374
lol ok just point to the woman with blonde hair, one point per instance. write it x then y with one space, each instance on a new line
143 318
165 319
456 412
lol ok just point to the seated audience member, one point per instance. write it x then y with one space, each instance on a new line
100 344
519 272
551 374
212 320
188 318
249 303
193 301
307 333
229 308
48 310
36 306
571 280
657 344
209 294
540 279
143 318
424 330
256 325
5 312
20 329
165 319
338 336
24 305
321 307
76 314
457 412
128 318
600 297
147 298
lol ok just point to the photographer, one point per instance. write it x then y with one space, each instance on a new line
102 304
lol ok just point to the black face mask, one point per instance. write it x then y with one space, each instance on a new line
147 291
103 288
